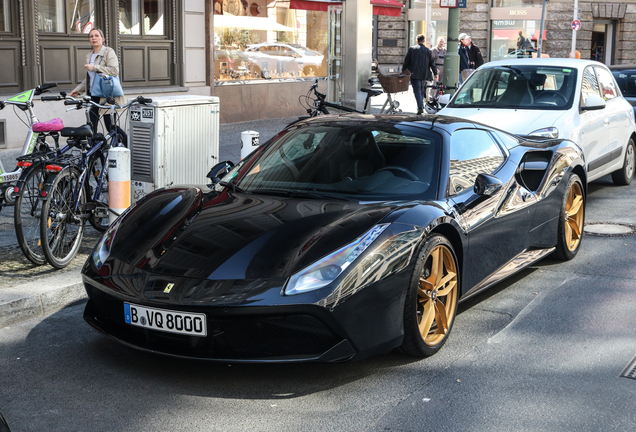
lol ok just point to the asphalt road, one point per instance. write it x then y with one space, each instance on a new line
542 351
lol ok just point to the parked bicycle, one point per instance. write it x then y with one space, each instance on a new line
432 105
79 190
35 139
316 103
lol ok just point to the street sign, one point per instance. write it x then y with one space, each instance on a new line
448 3
461 4
576 25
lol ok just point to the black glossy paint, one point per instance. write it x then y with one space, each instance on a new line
230 254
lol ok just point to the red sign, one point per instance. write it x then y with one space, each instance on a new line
576 25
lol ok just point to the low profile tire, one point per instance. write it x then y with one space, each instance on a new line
431 300
624 175
571 220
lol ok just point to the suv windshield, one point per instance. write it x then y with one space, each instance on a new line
359 161
522 86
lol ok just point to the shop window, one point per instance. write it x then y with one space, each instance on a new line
259 40
142 17
5 15
80 16
514 38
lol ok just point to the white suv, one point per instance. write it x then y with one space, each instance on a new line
558 98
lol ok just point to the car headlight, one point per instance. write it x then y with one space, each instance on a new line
102 250
325 270
550 132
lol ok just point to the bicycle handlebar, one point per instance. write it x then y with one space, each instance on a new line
51 98
440 86
43 87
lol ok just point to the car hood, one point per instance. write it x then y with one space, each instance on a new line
517 121
185 232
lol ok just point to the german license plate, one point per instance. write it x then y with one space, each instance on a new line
186 323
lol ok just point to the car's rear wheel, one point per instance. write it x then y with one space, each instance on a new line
431 301
624 175
571 220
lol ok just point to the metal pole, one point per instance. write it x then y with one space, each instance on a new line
451 61
576 9
427 31
540 43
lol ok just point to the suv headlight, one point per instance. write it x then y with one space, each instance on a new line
325 270
550 132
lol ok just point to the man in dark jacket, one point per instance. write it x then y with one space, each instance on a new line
420 62
469 55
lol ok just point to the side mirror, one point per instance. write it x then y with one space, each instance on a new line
219 170
593 103
444 99
487 185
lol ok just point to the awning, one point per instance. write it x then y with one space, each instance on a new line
249 23
535 36
380 7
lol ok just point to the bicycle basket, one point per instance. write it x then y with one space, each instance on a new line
395 83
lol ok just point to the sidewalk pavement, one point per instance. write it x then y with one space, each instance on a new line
27 290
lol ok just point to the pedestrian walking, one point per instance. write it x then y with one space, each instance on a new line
438 55
470 57
101 59
420 62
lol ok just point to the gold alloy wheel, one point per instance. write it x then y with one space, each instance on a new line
437 296
574 217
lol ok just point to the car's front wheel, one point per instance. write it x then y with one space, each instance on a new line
624 175
571 220
432 297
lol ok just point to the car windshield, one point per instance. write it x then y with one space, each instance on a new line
626 80
519 86
360 161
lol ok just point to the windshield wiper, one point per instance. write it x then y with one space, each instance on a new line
232 186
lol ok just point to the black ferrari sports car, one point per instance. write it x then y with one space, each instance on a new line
341 237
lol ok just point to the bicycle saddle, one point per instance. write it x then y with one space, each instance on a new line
371 91
54 125
83 131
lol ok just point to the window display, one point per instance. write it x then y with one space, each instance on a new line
514 39
81 16
254 39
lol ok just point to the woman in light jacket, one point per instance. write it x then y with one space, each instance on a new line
101 59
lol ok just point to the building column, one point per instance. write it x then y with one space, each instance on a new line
358 16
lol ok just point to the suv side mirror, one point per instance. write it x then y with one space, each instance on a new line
593 103
219 170
444 99
487 185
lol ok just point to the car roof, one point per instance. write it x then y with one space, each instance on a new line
559 62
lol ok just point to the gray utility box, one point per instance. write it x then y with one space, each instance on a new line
174 140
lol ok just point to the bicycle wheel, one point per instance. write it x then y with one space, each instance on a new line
95 168
26 216
61 229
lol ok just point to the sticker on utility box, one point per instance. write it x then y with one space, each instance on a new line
112 163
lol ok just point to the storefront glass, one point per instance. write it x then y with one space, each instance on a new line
514 38
80 13
153 17
261 40
129 17
439 22
5 23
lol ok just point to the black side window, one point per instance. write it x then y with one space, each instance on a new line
472 152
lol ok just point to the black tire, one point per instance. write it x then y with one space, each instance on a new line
61 229
96 165
26 216
624 175
432 298
571 220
